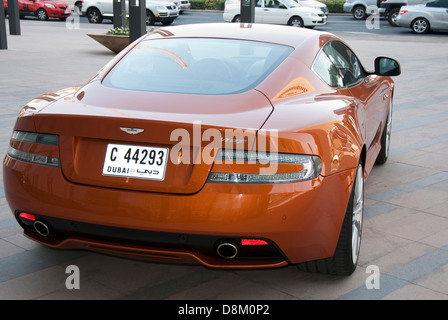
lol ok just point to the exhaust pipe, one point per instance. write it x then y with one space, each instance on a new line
41 228
227 250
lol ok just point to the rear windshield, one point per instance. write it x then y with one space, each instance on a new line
196 66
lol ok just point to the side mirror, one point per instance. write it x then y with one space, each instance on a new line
387 67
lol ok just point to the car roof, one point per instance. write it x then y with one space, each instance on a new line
285 35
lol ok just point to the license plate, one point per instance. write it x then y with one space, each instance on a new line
135 162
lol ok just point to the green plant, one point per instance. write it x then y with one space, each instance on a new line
197 4
207 4
214 4
121 31
335 6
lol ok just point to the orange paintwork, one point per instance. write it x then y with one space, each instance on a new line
303 219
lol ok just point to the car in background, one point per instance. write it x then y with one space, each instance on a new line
390 9
424 18
75 5
42 9
359 8
182 5
314 4
286 12
164 12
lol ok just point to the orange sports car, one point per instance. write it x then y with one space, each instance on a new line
230 145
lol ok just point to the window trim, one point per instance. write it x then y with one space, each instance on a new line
321 51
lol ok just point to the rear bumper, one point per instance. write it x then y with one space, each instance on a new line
59 13
301 220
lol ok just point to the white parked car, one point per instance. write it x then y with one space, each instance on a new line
314 4
156 11
286 12
182 5
75 5
423 18
391 8
359 7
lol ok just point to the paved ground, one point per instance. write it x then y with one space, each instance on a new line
406 226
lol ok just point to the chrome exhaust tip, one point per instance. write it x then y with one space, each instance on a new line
41 228
227 250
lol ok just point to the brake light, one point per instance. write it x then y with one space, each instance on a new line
402 12
27 216
253 242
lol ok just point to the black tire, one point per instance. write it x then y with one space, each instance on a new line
296 21
385 139
150 19
237 18
392 18
420 26
41 14
94 15
359 13
345 258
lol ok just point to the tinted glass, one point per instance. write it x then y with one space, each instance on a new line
196 65
438 4
327 70
345 62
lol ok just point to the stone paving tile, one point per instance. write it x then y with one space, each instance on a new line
33 285
415 292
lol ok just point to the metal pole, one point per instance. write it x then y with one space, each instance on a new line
14 17
137 19
3 39
119 13
247 11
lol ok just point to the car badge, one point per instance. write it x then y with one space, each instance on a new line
132 130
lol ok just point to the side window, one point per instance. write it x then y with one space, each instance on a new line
327 70
438 4
345 62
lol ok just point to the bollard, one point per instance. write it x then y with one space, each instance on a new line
119 13
247 11
14 17
3 39
137 19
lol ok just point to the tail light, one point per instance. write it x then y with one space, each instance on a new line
37 148
239 166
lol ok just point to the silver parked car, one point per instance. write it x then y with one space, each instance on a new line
423 18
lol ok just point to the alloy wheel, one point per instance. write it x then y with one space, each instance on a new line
358 212
420 26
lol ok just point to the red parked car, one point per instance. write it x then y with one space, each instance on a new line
42 9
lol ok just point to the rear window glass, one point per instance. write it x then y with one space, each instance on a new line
196 66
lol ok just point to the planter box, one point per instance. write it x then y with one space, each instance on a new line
112 42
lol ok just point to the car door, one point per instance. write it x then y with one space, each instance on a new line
27 6
438 10
274 12
259 6
366 90
107 7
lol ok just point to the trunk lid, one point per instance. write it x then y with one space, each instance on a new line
98 119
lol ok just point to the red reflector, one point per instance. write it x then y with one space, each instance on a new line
28 216
253 242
